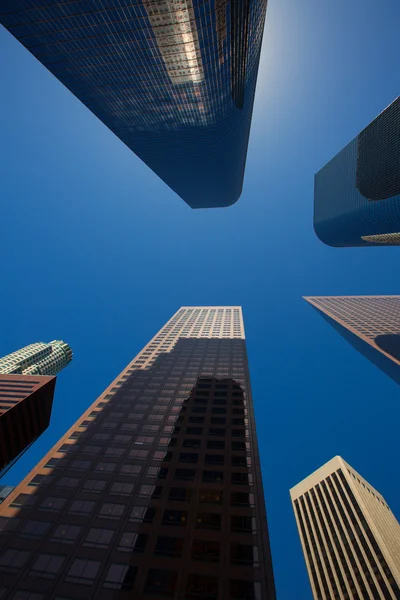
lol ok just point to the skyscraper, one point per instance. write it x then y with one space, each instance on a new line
174 80
27 385
37 359
357 193
156 490
370 323
350 537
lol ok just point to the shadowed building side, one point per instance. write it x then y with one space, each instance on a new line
156 490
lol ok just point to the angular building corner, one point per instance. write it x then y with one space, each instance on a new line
357 193
371 324
174 80
156 491
27 383
349 536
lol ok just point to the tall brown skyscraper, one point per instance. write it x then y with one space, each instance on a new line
156 490
350 537
370 323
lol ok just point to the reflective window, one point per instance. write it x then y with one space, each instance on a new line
83 571
47 566
120 577
99 538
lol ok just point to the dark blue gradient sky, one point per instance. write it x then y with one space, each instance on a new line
96 250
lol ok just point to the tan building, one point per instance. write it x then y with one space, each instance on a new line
371 324
156 490
350 537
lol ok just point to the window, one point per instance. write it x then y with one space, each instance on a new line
120 577
105 467
218 420
213 476
185 474
8 524
210 497
160 583
68 482
98 538
207 520
142 514
81 465
219 411
201 587
191 443
239 461
244 555
136 453
214 459
24 500
242 499
51 503
194 430
189 457
133 542
205 550
42 480
114 452
217 431
241 479
199 409
14 559
131 469
244 590
81 507
238 432
47 565
242 524
174 517
180 494
83 571
91 449
34 529
112 511
238 446
122 488
150 491
66 533
215 444
93 485
169 546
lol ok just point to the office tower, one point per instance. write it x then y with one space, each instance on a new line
25 409
350 537
156 490
370 323
357 193
37 359
5 490
174 80
27 385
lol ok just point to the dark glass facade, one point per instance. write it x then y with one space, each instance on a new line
156 490
174 80
25 409
357 194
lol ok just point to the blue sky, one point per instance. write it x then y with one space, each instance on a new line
96 250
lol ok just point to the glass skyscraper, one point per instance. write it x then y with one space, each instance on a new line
370 323
349 535
357 194
173 79
39 358
156 490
